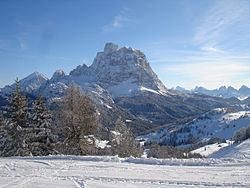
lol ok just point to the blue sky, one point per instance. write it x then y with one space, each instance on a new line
187 42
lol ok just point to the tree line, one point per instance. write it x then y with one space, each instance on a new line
30 128
242 134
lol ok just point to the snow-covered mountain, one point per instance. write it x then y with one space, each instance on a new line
122 83
29 84
217 123
121 71
223 91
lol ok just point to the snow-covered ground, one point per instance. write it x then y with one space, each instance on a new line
207 150
236 151
110 172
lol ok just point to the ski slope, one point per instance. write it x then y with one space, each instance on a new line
208 150
239 151
111 172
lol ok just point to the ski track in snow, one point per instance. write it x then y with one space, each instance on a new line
110 172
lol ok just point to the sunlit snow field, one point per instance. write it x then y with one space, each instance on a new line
109 172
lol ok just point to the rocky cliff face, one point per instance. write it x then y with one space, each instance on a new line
124 71
121 71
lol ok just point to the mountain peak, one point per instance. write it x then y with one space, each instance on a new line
199 88
79 70
245 91
223 88
29 83
243 87
122 71
35 75
110 48
59 74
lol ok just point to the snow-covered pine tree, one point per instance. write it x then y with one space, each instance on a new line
17 127
42 141
2 132
123 142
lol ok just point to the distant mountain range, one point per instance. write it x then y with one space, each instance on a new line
122 84
223 91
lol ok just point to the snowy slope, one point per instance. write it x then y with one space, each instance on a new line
209 149
238 151
217 123
110 172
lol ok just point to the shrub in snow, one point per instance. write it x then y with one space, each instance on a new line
123 142
242 134
162 152
248 132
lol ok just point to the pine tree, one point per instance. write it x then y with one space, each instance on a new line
17 124
2 132
123 143
77 119
42 140
2 121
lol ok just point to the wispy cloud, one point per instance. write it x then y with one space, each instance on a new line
200 56
207 68
22 24
119 20
225 17
16 42
211 74
21 39
34 33
218 53
8 45
211 49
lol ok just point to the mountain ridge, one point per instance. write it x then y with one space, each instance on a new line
121 82
121 71
225 92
